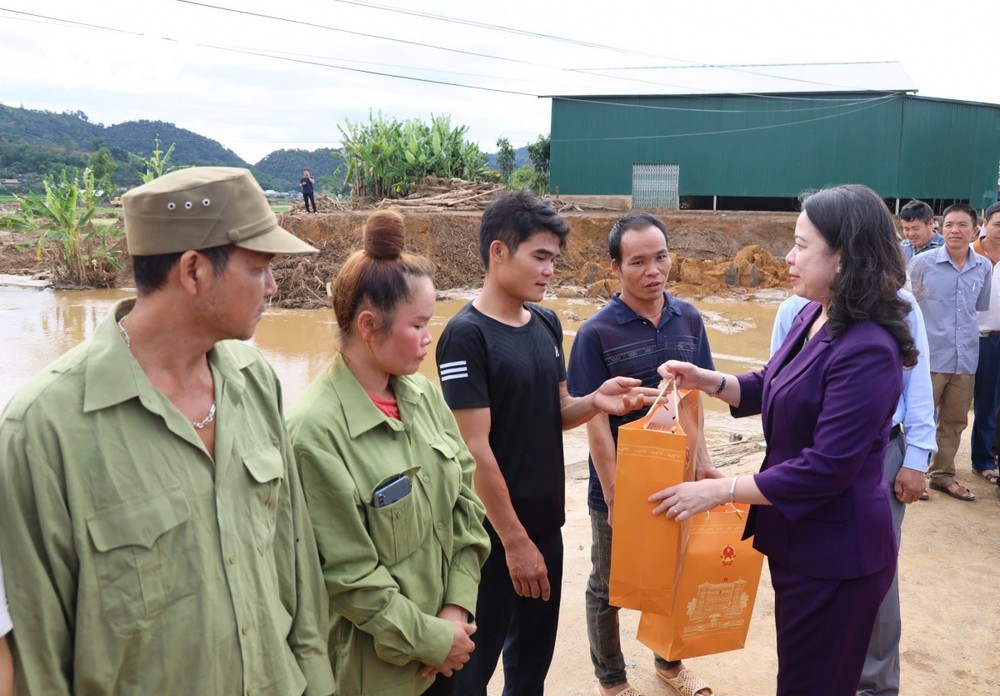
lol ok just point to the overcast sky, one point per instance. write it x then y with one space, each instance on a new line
259 76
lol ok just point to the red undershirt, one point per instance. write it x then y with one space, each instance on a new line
387 406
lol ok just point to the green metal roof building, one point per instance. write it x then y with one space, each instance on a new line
661 148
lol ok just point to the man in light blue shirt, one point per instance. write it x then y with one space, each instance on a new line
986 397
910 446
951 284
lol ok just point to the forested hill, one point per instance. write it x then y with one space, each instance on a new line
34 143
73 132
47 128
189 147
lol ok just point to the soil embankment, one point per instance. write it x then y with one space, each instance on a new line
712 253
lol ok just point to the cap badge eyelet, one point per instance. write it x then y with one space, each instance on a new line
171 205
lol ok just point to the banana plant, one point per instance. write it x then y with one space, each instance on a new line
387 157
62 218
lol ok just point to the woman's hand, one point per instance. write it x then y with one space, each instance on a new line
686 375
461 644
688 499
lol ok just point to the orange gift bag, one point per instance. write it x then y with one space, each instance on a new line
654 452
715 592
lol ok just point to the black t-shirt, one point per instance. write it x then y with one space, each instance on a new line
307 184
515 371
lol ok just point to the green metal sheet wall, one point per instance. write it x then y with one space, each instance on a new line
950 150
772 146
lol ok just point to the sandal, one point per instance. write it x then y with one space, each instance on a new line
627 692
989 474
955 490
686 683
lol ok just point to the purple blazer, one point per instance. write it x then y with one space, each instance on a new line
826 411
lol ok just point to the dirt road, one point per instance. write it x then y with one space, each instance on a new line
948 566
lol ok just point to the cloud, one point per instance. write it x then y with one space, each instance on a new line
188 64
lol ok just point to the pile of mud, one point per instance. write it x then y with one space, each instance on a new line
752 268
451 240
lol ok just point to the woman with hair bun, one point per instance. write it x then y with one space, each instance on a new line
388 482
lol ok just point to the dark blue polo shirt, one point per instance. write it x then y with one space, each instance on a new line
618 342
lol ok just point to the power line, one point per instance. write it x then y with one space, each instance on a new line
320 63
582 71
366 35
552 37
264 54
604 102
261 54
293 54
493 27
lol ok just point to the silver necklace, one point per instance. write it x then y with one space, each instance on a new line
206 420
199 425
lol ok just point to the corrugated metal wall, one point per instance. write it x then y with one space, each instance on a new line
739 145
950 150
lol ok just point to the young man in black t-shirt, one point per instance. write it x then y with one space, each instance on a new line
503 374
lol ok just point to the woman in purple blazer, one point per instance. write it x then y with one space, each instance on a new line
826 398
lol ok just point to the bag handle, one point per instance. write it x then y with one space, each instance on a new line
728 505
672 385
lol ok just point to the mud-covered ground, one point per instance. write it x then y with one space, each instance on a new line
947 576
947 561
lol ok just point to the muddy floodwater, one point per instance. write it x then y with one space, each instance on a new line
36 326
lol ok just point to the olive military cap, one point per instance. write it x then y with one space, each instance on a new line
204 207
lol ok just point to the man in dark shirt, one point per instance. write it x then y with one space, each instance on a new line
503 374
306 183
642 327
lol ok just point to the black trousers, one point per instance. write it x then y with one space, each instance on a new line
308 198
442 686
523 629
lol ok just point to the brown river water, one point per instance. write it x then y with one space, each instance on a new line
36 326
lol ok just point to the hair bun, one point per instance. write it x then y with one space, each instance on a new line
383 235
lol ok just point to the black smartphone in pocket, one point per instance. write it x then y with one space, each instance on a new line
391 491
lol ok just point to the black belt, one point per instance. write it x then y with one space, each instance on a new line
989 334
896 431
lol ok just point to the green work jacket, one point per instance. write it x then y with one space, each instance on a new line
388 570
135 563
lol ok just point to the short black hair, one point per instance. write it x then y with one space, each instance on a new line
513 217
916 210
991 211
150 272
635 220
962 208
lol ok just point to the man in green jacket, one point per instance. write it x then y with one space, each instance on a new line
154 532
